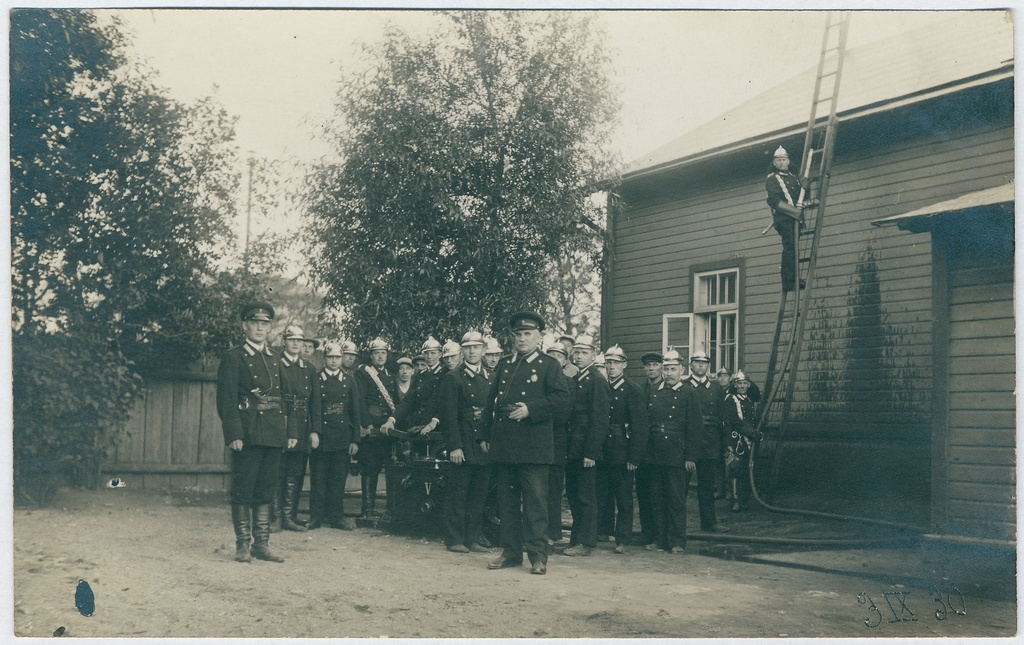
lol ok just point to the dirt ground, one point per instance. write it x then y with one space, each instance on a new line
162 569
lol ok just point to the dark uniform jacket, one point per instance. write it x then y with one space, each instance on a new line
560 423
340 413
646 387
419 405
461 398
775 192
671 412
739 415
249 400
588 423
535 380
375 408
706 440
627 424
302 399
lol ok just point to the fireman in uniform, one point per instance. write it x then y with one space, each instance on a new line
556 476
623 450
250 407
377 389
336 441
783 187
588 426
460 403
739 419
417 411
705 443
302 404
652 369
672 411
517 433
492 354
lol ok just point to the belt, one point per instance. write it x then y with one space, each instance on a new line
335 409
260 404
300 405
507 409
377 410
663 429
476 413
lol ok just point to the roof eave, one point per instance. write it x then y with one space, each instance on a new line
991 76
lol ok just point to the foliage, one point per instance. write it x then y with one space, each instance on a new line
120 203
120 196
466 166
65 409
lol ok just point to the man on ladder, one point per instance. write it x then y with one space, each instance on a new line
785 197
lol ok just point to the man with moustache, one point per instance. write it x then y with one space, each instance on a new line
672 411
517 434
302 404
706 442
377 389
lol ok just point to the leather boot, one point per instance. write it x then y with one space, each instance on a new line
296 494
372 488
261 534
275 506
288 507
243 532
365 506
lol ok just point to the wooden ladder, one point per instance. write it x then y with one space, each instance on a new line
815 165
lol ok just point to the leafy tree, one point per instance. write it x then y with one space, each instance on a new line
120 199
467 161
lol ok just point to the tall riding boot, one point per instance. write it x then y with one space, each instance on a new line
296 494
365 506
275 506
372 489
288 507
243 531
261 534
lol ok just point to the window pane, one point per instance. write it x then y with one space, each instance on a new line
679 334
728 341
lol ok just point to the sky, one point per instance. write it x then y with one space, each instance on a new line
278 70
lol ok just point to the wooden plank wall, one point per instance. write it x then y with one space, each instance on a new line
871 312
981 476
173 440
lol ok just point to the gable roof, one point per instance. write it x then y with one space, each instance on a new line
973 48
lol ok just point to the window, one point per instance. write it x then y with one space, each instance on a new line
677 332
716 316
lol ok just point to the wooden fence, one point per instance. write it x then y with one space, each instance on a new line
174 439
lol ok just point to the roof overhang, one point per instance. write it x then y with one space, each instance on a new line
998 198
795 129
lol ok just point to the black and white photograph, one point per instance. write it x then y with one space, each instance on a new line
522 321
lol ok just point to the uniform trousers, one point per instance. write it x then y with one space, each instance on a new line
293 464
581 490
464 496
523 499
786 227
254 473
648 530
556 486
615 491
373 452
707 469
328 474
668 504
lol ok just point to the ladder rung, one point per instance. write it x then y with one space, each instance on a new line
805 259
806 232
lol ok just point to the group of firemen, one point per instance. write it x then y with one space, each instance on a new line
526 425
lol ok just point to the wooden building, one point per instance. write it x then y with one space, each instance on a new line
887 402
